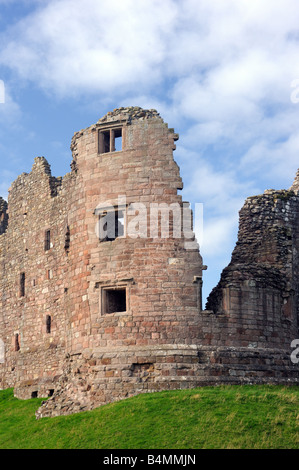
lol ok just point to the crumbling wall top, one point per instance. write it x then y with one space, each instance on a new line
130 113
40 166
123 116
40 175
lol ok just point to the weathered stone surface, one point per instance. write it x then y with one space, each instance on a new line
259 288
87 320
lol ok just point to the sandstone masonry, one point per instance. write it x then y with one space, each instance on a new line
88 317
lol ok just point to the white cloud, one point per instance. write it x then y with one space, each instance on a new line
99 47
10 111
220 72
279 160
67 48
222 192
217 235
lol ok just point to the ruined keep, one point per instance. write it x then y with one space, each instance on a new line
89 316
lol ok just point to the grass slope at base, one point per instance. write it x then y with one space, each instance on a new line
224 417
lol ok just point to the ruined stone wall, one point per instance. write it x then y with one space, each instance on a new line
243 337
33 357
125 310
258 291
68 281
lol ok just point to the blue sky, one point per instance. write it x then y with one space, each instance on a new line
224 74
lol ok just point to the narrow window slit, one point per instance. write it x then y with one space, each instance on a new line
47 240
17 342
22 285
48 323
67 240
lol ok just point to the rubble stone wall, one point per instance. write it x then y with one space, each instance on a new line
259 288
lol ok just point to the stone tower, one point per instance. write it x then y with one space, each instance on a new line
75 288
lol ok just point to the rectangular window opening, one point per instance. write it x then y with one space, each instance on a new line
110 141
114 300
34 394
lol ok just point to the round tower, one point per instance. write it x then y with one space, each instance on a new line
134 264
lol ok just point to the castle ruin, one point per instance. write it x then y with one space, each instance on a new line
100 301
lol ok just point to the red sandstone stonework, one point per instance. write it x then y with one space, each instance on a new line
88 320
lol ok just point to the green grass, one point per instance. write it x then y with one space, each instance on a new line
227 417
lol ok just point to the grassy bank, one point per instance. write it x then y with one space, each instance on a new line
245 417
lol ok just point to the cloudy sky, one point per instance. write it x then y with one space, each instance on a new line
223 73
